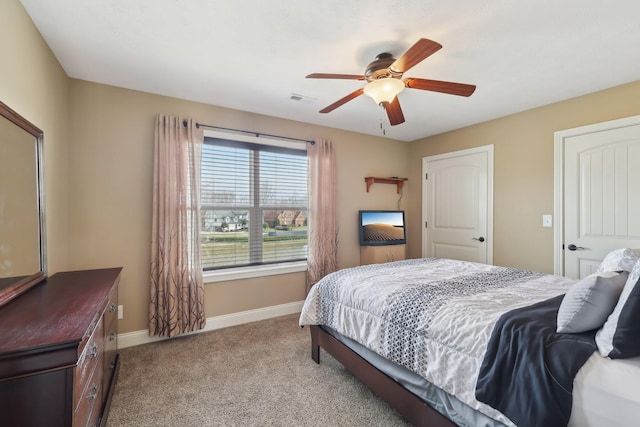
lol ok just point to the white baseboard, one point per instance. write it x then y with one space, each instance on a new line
130 339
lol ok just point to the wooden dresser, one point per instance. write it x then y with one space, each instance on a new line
59 351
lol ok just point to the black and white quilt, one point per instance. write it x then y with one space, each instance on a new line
433 316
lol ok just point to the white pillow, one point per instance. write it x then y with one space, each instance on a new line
619 260
590 301
619 337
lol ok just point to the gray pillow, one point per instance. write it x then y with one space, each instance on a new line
590 301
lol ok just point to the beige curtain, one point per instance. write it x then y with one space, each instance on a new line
323 223
177 292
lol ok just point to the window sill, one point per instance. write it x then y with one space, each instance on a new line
251 272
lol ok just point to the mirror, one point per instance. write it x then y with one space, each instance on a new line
22 225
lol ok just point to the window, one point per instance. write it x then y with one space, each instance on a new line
253 204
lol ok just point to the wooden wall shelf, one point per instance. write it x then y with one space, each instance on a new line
399 182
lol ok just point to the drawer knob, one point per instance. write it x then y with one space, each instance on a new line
94 393
93 352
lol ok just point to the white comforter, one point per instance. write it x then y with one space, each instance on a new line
433 316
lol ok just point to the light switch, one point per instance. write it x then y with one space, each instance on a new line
547 220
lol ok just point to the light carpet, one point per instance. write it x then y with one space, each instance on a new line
258 374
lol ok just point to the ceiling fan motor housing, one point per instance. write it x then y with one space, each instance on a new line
379 68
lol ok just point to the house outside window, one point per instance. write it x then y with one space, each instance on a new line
254 199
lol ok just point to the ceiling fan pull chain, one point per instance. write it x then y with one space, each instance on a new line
382 111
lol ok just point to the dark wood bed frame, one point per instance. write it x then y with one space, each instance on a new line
410 406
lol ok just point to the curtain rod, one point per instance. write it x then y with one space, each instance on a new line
257 134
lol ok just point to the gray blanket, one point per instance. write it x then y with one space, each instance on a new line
528 369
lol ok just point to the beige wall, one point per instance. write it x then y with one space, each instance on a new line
34 85
523 177
110 185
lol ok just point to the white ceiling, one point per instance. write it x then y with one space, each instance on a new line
252 55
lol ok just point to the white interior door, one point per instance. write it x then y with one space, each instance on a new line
601 194
458 205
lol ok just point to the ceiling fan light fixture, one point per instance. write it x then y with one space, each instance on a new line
384 90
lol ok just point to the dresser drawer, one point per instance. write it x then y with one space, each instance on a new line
110 353
110 347
88 411
112 308
91 357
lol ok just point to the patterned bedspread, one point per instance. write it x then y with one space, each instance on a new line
433 316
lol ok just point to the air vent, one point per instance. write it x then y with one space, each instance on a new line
301 98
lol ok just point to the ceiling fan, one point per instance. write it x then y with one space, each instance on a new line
384 82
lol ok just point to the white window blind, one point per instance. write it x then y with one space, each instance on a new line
253 204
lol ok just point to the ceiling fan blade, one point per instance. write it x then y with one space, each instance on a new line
344 100
335 76
459 89
394 112
421 50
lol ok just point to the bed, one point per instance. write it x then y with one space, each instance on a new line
420 332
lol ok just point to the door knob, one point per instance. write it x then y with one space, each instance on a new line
479 239
573 247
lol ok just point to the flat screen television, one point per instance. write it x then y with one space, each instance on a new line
381 228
